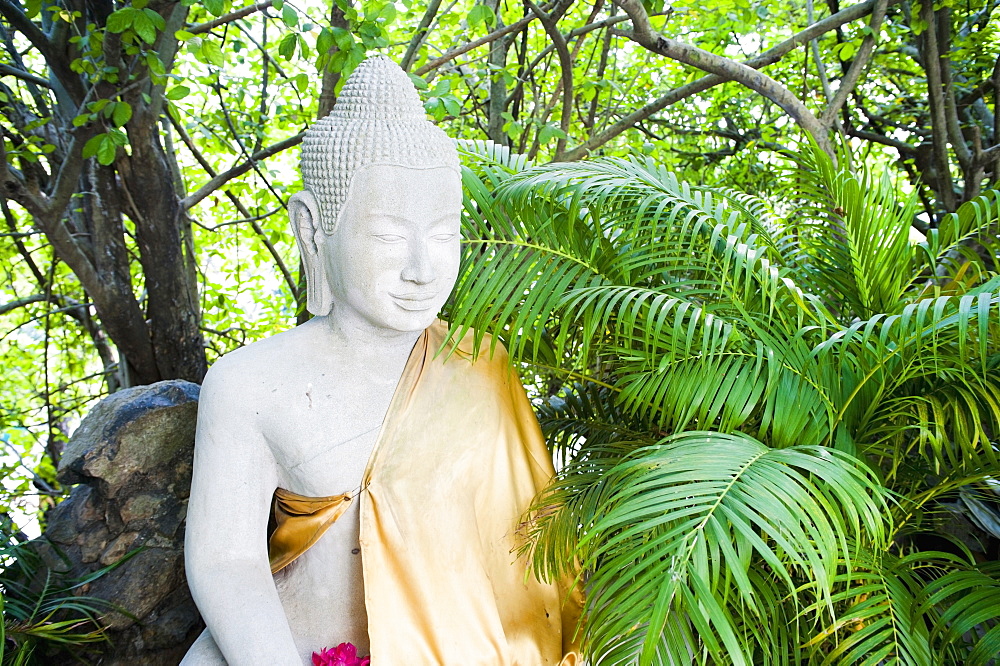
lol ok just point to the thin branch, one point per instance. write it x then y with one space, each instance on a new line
988 154
230 17
57 62
901 146
861 59
24 76
465 48
814 45
240 169
566 72
962 151
935 97
239 206
419 35
769 57
21 302
572 34
245 220
644 35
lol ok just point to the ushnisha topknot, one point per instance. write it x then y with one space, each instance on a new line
378 119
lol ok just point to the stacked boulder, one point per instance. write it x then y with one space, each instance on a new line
131 458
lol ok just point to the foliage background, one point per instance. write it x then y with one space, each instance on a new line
149 148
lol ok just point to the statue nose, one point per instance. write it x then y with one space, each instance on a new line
418 268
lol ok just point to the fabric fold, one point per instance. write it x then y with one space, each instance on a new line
300 522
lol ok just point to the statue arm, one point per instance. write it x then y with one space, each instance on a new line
225 545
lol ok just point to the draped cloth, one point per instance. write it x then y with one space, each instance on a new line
299 523
456 464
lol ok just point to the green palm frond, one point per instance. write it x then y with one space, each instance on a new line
586 416
878 620
925 378
967 614
675 529
857 233
953 243
564 250
730 367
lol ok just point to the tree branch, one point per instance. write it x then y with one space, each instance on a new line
253 220
56 61
861 59
771 56
21 302
901 146
644 35
230 17
820 67
238 170
465 48
418 36
24 76
935 97
962 151
566 72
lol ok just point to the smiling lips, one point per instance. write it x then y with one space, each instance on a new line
415 302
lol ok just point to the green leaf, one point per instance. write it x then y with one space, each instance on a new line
481 14
324 42
81 120
178 92
93 143
118 137
549 132
452 105
434 107
122 113
121 20
343 38
442 87
286 49
106 151
212 53
289 16
183 35
154 63
215 7
143 26
155 19
418 81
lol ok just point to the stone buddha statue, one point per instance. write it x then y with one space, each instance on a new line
393 476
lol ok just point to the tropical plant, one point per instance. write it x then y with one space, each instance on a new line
44 613
762 407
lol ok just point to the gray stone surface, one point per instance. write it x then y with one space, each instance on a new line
131 457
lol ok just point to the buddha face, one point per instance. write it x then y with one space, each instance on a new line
393 260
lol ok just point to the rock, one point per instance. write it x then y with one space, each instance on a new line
131 457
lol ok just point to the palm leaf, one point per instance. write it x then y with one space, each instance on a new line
674 529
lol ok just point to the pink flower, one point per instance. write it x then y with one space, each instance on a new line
344 654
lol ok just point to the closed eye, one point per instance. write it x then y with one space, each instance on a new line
443 238
389 238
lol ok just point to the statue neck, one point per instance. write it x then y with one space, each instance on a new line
363 337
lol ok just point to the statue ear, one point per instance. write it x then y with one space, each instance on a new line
303 210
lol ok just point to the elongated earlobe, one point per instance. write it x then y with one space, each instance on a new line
303 209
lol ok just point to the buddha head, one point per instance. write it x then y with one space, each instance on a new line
377 222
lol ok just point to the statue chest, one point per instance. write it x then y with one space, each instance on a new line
323 438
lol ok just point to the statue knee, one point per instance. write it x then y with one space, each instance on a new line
204 652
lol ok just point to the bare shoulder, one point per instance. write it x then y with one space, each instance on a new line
238 380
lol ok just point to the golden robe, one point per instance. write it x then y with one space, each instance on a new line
457 462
